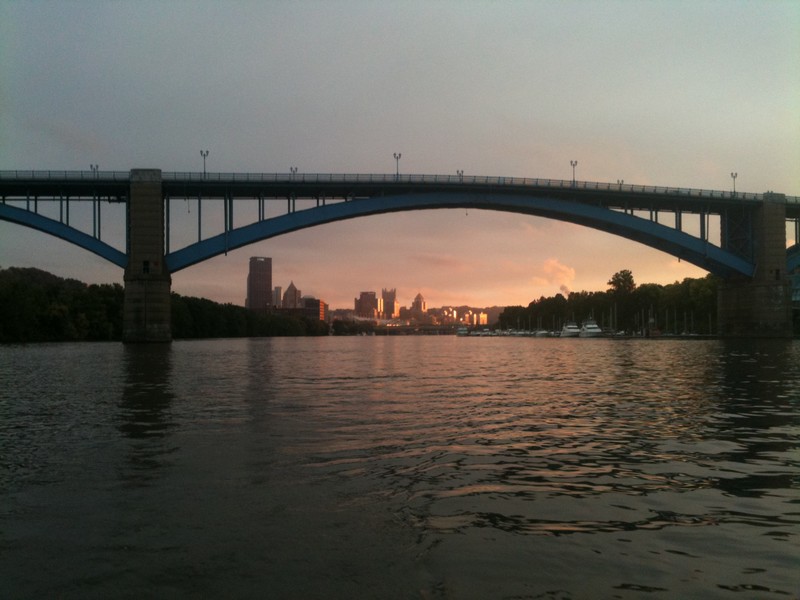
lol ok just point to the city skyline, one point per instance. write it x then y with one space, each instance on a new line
261 296
383 300
660 93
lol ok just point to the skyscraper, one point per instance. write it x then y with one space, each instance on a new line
419 305
368 305
391 307
259 284
292 297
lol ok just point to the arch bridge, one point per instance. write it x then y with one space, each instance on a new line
751 254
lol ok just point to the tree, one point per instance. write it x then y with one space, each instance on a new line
622 282
621 291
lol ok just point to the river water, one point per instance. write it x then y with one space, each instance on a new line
401 467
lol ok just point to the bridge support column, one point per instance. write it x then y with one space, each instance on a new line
147 310
760 306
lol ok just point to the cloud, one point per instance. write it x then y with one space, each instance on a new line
554 273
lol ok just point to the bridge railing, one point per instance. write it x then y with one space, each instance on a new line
483 180
385 178
65 175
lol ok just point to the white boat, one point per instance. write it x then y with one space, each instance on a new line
590 329
570 329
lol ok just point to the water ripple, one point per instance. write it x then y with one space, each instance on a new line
409 467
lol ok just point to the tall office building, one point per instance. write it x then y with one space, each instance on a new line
419 305
259 284
368 305
292 297
391 307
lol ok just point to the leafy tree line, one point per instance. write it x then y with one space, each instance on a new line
689 306
339 327
37 306
201 318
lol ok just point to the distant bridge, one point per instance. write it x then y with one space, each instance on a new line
751 248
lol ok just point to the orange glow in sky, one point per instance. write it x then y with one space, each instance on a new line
671 93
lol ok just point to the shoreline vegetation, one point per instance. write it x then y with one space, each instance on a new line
37 306
688 307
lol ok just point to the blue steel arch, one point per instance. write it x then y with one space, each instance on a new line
36 221
669 240
792 258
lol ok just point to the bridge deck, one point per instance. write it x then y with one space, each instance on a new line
114 186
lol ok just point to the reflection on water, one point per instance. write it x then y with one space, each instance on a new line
147 395
402 468
759 410
145 410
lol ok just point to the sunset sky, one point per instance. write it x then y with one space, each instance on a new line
673 93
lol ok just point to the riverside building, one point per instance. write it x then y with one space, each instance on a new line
259 284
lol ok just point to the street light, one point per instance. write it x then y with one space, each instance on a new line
574 164
397 156
734 176
293 170
204 154
94 169
460 173
620 182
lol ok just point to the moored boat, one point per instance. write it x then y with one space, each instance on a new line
590 328
570 329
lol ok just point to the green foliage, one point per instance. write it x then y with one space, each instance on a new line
622 283
352 327
201 318
36 306
689 306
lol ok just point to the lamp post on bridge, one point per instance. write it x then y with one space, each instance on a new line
620 182
94 169
204 154
293 171
573 163
397 156
734 176
460 173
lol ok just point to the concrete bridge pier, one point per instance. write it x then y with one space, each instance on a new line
147 309
760 306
